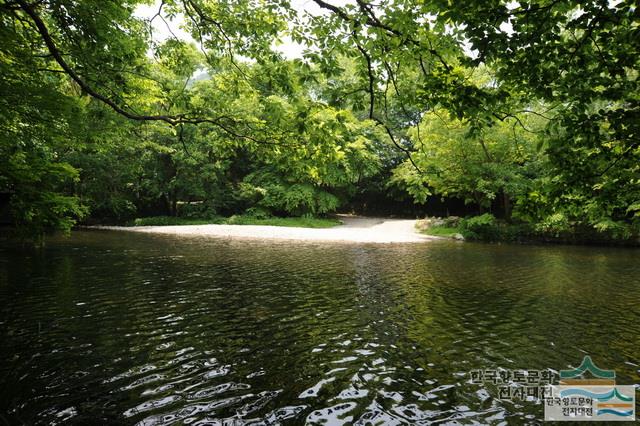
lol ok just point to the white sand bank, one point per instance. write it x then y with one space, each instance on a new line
355 229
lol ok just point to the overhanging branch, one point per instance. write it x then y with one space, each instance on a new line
173 120
57 56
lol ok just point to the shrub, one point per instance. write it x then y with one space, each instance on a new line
298 200
197 210
483 227
452 221
554 224
258 213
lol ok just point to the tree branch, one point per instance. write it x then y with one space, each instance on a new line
173 120
57 56
367 58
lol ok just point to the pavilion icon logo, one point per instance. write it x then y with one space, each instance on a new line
601 377
594 398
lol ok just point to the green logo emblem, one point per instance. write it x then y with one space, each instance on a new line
587 365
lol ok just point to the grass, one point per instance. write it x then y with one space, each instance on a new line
170 220
301 222
442 231
427 227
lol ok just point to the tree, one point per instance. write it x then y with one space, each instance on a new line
481 167
579 58
310 128
37 117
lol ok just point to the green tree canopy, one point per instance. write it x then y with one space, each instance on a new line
540 101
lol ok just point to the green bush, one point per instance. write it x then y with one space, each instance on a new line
257 213
297 200
452 221
554 224
483 227
197 210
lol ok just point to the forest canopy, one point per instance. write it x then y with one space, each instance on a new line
529 110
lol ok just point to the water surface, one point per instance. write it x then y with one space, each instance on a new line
119 328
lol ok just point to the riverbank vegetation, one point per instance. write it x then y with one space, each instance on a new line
488 228
302 222
524 112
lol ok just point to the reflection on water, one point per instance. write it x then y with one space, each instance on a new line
122 328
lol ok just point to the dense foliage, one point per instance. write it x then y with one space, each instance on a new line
527 109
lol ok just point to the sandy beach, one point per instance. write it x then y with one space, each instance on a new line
355 229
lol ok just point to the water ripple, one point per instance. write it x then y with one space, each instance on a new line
140 329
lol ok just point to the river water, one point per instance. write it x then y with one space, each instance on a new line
121 328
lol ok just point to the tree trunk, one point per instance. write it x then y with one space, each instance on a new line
506 200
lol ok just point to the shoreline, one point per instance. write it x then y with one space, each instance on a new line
353 230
